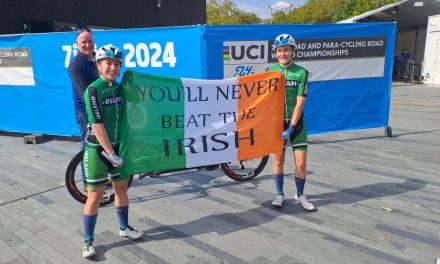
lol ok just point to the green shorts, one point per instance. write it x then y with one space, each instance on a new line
97 168
298 139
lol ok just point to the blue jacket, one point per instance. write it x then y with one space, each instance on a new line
82 72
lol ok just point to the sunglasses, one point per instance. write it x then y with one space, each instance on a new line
282 42
81 30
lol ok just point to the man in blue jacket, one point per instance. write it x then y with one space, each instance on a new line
405 60
82 72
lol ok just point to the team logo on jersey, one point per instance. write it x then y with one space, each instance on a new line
95 108
292 83
112 101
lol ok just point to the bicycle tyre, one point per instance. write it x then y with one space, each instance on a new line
73 176
246 169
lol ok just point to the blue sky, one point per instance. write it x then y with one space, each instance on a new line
263 8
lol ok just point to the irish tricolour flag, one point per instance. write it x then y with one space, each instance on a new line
172 123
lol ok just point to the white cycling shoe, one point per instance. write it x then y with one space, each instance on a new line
304 202
130 232
278 202
88 249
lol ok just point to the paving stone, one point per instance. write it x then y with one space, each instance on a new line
7 254
377 200
29 254
42 248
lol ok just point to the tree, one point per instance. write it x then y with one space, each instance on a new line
356 7
313 12
226 13
327 11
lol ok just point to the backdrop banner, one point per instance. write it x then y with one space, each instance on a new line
172 123
350 69
36 87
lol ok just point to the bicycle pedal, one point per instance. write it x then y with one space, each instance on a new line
109 183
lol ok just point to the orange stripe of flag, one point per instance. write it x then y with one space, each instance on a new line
262 103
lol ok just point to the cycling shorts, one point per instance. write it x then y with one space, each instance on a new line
298 139
97 167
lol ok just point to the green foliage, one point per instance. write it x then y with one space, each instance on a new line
327 11
226 13
354 8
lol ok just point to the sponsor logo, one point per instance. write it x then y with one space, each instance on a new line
112 101
245 52
226 55
86 163
293 83
243 70
95 107
306 88
252 52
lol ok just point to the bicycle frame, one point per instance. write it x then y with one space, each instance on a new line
156 174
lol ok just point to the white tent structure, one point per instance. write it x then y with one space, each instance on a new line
431 70
412 20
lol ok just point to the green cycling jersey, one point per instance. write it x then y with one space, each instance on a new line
296 85
104 105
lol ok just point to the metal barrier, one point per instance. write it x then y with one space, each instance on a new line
415 73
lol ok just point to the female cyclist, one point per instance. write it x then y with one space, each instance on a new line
294 123
104 106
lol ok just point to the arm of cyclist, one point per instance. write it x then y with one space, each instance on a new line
301 97
300 102
101 135
303 90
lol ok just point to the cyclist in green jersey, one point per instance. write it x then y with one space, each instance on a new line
294 123
104 106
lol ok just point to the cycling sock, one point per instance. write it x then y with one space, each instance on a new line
122 213
300 186
89 226
279 182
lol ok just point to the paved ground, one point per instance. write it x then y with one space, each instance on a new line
378 202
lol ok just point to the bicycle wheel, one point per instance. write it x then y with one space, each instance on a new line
246 169
75 185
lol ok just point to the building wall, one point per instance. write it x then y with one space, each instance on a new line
101 13
414 40
431 69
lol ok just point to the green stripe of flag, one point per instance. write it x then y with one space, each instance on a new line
153 104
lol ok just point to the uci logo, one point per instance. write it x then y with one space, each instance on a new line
248 51
252 52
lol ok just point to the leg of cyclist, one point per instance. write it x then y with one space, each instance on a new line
90 216
278 175
96 174
300 159
121 207
93 199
